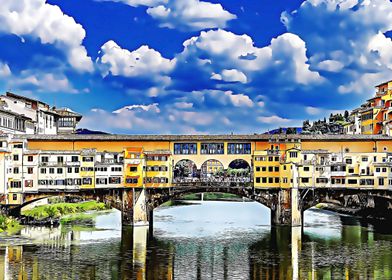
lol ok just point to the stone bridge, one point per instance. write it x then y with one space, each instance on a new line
286 205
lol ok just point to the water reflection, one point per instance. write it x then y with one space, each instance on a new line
207 241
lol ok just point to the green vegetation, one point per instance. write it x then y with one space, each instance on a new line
211 196
60 209
9 224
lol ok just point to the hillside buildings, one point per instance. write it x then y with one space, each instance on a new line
22 115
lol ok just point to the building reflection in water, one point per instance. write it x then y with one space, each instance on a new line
351 251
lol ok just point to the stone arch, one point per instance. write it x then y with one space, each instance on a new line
211 168
239 170
111 197
185 170
266 197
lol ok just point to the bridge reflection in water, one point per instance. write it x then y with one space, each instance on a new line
340 248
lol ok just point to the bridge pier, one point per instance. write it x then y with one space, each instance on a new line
288 211
135 210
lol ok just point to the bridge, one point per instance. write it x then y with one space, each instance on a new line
137 173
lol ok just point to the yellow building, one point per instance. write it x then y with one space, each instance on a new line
87 168
134 167
159 168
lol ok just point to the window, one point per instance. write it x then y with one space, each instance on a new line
16 170
264 180
74 158
378 169
270 180
349 161
69 170
76 169
60 159
114 180
185 148
118 169
293 154
29 170
51 170
238 148
59 171
133 169
257 168
334 159
284 167
276 179
270 168
364 159
351 170
352 181
264 168
45 159
212 148
59 182
381 181
88 159
276 168
66 122
258 179
384 169
101 181
321 180
16 157
285 180
30 158
131 180
276 158
43 170
270 158
305 180
28 183
87 181
14 197
16 184
306 168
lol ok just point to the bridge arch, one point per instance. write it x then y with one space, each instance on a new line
211 169
186 170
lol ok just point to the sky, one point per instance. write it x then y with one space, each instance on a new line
193 66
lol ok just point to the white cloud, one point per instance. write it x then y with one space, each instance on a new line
191 14
239 100
313 110
137 3
48 23
273 120
183 105
330 65
141 62
5 70
227 54
148 108
230 75
41 82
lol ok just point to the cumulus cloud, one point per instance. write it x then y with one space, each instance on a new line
273 120
41 82
230 75
190 14
143 62
148 108
37 19
347 40
184 14
223 56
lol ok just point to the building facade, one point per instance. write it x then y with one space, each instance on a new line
66 163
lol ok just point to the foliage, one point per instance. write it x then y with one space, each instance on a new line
61 209
9 224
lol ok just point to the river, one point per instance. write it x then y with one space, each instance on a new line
206 240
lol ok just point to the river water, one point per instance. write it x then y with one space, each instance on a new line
206 240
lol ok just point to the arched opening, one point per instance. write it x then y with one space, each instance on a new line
185 171
212 170
239 171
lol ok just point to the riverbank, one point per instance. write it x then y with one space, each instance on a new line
64 212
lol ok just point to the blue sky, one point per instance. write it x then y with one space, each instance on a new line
192 66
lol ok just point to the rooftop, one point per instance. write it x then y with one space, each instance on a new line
211 137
